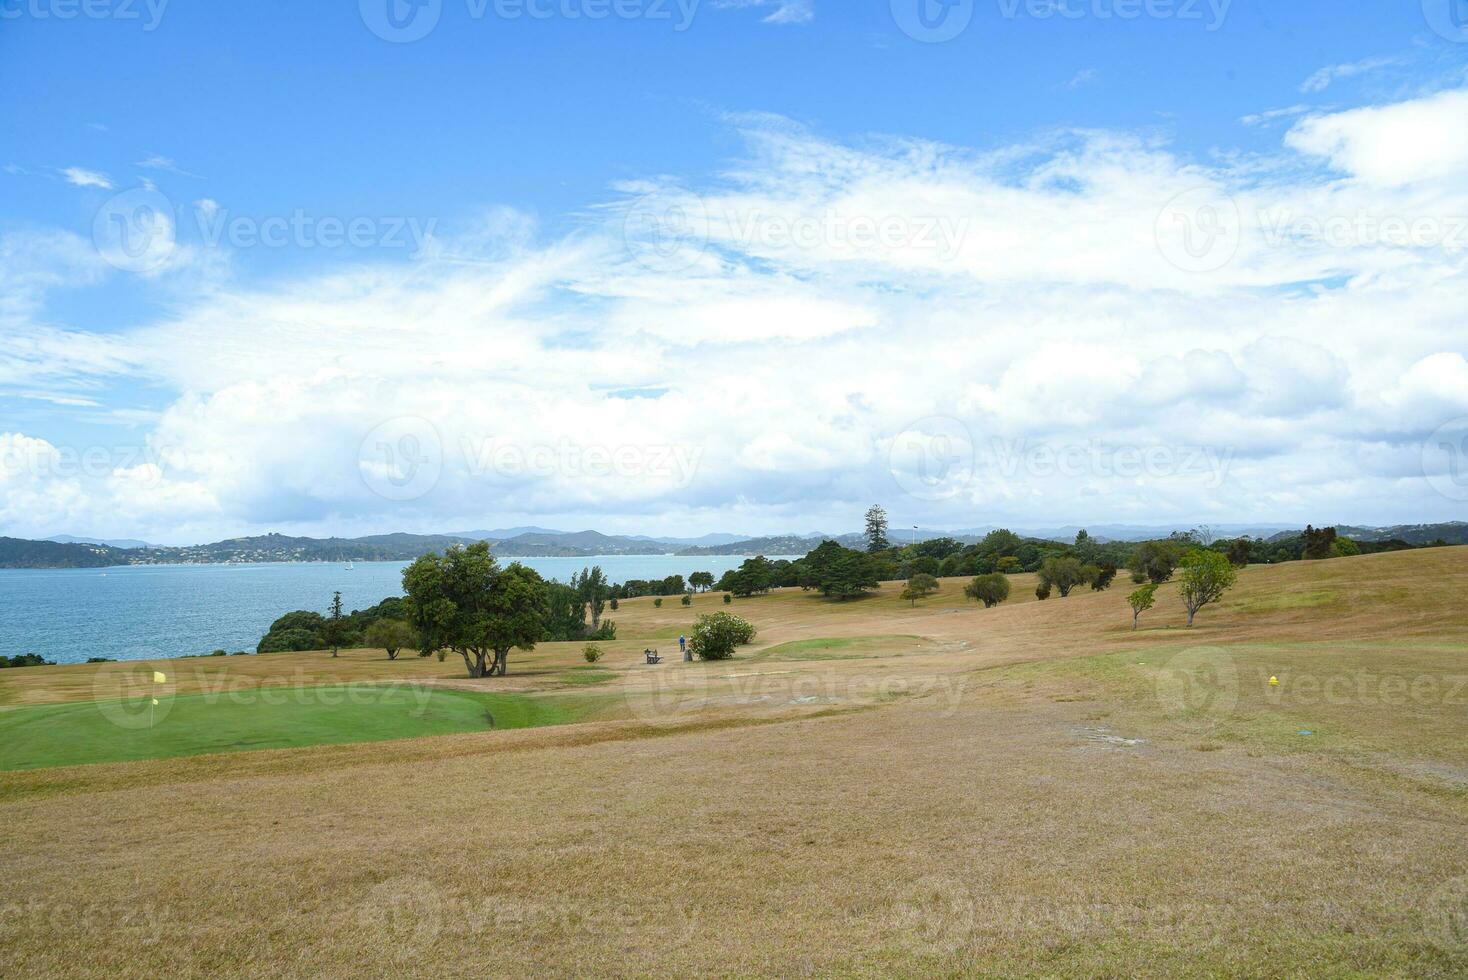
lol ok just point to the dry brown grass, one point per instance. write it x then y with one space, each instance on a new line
1025 792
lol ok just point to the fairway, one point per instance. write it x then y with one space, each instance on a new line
262 718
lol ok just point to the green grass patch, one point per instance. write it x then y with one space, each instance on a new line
1290 600
843 648
40 736
584 675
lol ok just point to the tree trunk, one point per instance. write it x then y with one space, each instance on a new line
1135 616
1191 613
392 655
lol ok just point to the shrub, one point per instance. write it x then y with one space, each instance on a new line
988 589
606 631
715 636
687 600
728 599
26 660
1042 591
1102 577
219 653
101 660
614 604
658 602
591 652
920 586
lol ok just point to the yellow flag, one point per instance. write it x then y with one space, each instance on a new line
159 678
155 701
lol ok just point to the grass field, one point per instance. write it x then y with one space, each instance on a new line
870 789
269 718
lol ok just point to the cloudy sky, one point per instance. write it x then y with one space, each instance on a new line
742 265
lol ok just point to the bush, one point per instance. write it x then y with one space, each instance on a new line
687 600
219 653
101 660
614 604
591 652
26 660
715 636
606 631
1042 591
728 599
988 589
658 602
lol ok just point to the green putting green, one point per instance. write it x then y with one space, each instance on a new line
264 718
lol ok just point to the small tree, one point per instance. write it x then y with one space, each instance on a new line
728 599
391 635
614 604
715 636
687 599
591 652
920 586
658 602
989 589
335 632
1101 576
1206 575
1063 574
1042 591
1141 600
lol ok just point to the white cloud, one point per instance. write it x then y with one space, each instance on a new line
784 12
1393 145
1322 79
81 177
1023 293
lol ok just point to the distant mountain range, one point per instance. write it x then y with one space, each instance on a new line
65 551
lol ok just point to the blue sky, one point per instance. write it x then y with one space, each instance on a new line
489 161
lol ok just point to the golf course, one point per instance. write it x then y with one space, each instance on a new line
871 787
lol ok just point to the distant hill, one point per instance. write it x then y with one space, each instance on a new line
1454 532
18 553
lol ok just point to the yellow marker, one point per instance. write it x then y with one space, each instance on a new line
155 701
1274 682
159 677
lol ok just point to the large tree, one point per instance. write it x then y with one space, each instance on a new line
876 532
336 632
838 572
1063 574
591 587
1155 561
464 601
701 581
1205 576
